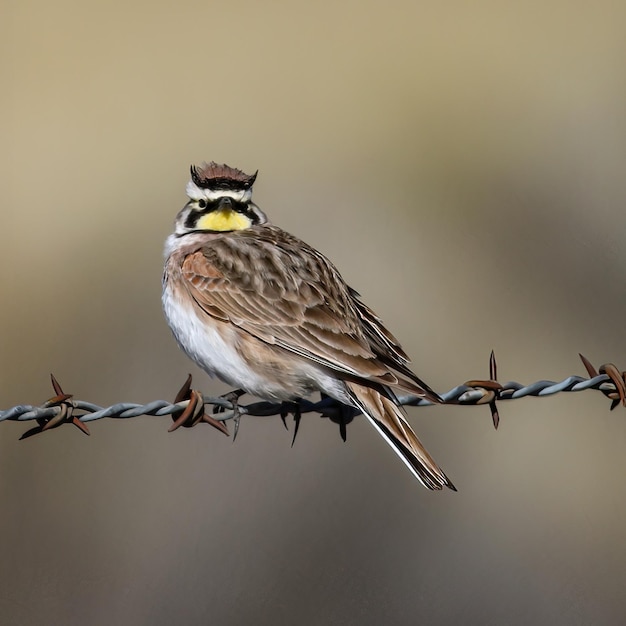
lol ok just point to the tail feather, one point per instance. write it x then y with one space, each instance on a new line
389 419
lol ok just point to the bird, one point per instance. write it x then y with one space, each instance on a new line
265 312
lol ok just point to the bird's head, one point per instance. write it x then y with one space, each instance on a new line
220 200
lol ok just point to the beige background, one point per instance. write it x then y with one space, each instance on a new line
462 163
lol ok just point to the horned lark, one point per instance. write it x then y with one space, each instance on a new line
267 313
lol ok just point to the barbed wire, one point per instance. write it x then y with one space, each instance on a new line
188 408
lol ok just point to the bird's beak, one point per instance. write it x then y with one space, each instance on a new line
226 204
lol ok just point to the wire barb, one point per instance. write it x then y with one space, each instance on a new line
188 408
63 412
193 413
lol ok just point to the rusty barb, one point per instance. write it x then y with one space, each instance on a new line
189 406
56 411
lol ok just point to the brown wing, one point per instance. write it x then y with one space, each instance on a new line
285 293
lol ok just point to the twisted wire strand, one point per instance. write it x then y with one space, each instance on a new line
189 407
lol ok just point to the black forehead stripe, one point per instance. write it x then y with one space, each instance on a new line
222 183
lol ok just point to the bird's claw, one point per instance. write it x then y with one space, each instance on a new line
233 398
342 415
294 408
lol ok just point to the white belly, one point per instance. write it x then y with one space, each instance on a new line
212 349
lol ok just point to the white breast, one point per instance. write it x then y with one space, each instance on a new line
211 344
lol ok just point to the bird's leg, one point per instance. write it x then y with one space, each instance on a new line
233 398
291 407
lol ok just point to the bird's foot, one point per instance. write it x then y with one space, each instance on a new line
233 398
294 408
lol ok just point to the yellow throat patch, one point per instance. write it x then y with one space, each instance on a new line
223 220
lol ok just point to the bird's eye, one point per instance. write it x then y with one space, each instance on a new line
202 204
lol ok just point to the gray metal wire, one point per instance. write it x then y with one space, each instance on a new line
189 407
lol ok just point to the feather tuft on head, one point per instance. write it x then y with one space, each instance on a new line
216 176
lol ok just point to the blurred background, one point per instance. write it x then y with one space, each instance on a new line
461 163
